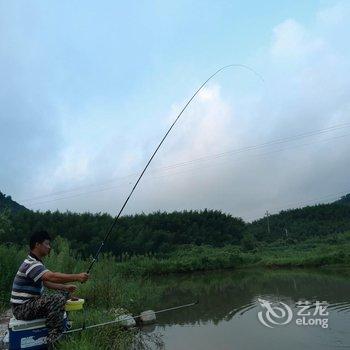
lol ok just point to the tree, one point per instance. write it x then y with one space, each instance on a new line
248 242
6 228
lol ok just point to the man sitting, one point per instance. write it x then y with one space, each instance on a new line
27 300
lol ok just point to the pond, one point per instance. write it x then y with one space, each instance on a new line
256 309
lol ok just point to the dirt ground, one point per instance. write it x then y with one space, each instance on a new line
4 320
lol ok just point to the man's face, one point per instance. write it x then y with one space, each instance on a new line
44 247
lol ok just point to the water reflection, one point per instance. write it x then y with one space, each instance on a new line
228 308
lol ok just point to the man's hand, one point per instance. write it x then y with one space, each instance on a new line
83 277
71 288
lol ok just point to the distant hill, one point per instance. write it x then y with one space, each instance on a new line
302 223
344 200
162 232
6 203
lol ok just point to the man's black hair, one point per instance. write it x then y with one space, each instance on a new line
38 237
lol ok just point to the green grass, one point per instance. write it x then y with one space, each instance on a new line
107 290
315 252
127 283
10 258
120 281
310 253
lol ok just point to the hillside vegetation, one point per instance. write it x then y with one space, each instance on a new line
7 204
162 233
162 243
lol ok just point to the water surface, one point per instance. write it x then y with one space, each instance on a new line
226 316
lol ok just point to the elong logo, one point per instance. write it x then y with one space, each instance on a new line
279 313
273 314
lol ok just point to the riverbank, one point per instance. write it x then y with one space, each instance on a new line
221 294
125 281
316 252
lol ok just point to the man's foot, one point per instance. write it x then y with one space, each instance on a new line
52 338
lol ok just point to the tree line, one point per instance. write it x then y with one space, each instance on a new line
162 232
139 234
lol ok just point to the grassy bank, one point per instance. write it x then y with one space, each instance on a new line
104 293
310 253
128 269
124 281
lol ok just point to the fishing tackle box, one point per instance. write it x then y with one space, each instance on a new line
29 335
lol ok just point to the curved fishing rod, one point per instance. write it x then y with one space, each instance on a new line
154 153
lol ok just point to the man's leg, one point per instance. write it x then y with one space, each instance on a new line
54 318
49 306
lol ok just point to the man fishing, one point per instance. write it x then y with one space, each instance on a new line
27 298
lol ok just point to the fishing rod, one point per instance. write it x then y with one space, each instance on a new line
154 153
119 320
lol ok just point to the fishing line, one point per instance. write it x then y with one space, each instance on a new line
155 152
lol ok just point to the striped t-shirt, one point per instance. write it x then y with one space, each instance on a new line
27 283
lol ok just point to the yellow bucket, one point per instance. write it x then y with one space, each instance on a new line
73 305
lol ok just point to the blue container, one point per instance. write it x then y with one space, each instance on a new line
29 335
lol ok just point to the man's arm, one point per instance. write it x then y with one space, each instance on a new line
71 288
58 277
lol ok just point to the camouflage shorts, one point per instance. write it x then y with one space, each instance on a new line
49 306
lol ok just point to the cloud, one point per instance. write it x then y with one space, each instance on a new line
218 155
307 89
205 127
334 15
29 137
292 40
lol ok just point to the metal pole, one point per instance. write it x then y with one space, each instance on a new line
118 321
268 222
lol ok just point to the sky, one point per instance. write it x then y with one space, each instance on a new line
88 89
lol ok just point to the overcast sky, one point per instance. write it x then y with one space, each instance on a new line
89 88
